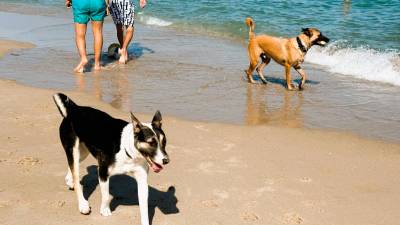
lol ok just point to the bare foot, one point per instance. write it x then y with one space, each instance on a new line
124 56
79 68
97 66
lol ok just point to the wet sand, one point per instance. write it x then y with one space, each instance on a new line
8 45
198 78
219 173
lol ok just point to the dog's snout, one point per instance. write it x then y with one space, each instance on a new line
165 161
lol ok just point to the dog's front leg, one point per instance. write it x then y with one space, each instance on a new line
143 194
303 76
105 196
288 77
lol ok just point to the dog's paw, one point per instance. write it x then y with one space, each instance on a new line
301 85
251 81
291 87
69 182
106 211
84 207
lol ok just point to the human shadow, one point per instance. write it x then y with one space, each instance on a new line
123 188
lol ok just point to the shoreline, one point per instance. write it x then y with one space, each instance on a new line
273 175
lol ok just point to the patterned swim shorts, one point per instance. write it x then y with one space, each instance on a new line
122 12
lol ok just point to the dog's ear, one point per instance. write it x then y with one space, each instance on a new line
306 31
157 120
137 125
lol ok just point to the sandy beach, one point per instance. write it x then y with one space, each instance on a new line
219 173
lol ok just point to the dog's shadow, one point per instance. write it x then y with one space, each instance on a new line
135 51
123 188
282 81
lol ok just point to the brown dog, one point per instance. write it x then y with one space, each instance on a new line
288 52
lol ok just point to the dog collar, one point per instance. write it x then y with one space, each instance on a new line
301 46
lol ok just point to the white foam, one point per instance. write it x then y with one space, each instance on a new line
361 62
154 21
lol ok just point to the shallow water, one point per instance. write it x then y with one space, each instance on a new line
199 78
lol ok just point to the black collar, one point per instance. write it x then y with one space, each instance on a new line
301 46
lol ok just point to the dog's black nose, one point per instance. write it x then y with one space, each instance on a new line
165 161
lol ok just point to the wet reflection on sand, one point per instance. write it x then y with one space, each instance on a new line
288 113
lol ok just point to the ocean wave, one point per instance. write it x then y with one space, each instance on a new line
360 62
149 20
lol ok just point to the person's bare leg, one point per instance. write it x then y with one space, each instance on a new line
120 34
97 27
80 39
127 41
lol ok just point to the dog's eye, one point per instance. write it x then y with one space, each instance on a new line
152 142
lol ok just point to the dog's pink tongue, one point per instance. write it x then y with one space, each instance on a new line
156 168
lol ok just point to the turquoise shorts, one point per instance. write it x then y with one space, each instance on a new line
85 10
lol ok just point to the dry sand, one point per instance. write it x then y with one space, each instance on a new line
219 173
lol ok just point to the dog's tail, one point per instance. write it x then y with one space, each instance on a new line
64 104
251 25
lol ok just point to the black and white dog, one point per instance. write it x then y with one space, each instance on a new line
118 146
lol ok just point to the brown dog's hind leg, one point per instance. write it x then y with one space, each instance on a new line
260 68
249 72
289 84
303 76
254 53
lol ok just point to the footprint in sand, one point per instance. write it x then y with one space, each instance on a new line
215 223
249 216
59 204
4 204
293 218
29 161
308 203
305 180
235 162
227 147
201 127
221 194
261 190
205 166
269 181
210 203
209 167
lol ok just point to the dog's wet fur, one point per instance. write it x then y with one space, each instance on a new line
288 52
118 146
